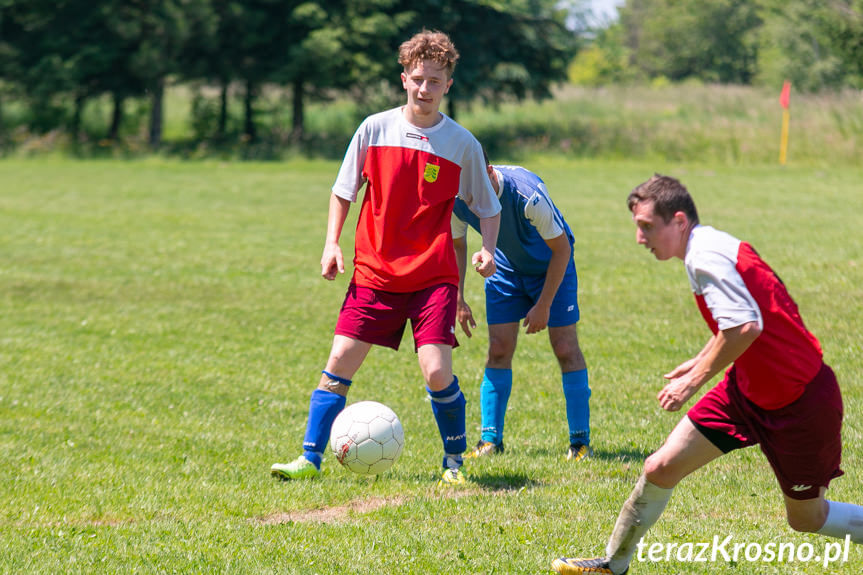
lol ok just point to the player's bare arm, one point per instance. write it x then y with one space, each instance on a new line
332 261
483 260
464 314
727 345
687 365
536 319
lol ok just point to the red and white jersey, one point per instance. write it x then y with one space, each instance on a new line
403 241
733 286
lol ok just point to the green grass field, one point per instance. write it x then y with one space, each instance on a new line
162 325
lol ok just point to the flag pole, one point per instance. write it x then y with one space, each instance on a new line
785 101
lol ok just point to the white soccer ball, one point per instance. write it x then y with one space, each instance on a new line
367 437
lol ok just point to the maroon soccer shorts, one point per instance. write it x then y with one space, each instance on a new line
802 440
379 317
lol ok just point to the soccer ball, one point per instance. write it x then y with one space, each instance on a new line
367 437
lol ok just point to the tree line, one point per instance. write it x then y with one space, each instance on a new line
815 44
56 56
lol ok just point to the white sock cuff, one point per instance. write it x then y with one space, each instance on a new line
843 519
653 492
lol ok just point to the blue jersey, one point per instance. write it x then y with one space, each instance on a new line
528 217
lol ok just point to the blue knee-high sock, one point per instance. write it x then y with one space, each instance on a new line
448 408
494 395
324 406
576 391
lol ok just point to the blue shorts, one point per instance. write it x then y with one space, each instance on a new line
509 296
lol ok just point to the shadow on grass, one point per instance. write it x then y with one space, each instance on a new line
502 482
619 455
622 455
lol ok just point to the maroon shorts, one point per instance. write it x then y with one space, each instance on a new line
802 440
379 317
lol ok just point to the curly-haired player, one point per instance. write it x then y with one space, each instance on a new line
414 161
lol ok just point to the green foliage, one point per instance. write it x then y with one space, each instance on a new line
712 40
75 50
814 44
512 49
605 61
163 324
796 45
670 122
660 121
845 26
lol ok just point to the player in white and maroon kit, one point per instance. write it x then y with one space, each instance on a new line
414 161
777 393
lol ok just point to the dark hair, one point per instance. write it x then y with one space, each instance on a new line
668 195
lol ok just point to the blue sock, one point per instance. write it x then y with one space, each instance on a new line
448 408
494 395
323 409
576 391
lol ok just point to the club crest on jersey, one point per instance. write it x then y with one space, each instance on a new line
431 172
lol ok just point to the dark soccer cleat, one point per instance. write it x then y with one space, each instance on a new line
578 452
596 566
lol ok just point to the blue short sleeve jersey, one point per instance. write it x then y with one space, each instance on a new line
528 219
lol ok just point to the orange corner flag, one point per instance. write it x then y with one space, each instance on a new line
785 97
785 101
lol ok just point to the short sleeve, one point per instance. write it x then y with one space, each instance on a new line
730 302
474 187
542 215
350 178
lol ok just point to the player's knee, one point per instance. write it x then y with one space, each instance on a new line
568 353
499 354
438 379
570 360
660 472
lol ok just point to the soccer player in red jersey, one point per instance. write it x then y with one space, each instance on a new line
777 393
414 161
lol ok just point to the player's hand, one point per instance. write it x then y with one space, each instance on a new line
676 393
681 369
536 319
483 261
332 262
464 315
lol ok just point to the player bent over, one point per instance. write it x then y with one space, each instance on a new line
535 281
778 392
414 161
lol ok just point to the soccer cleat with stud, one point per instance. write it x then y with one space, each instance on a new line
452 476
578 452
596 566
300 468
484 448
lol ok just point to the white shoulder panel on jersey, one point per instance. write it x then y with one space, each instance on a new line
711 264
541 214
